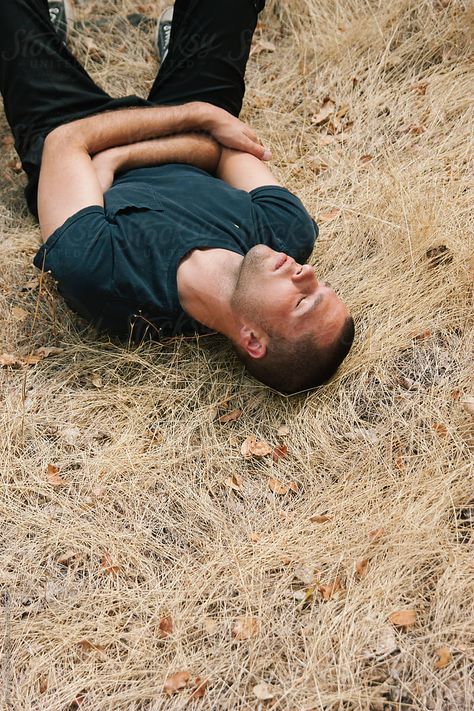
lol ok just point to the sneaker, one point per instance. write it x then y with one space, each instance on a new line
163 33
60 14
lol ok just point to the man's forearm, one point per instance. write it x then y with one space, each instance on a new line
118 128
194 149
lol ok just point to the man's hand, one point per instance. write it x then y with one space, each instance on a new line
233 133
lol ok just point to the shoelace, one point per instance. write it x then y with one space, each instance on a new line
167 33
53 13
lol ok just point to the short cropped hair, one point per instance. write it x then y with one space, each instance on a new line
293 366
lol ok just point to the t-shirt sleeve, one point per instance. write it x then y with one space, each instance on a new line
279 212
79 256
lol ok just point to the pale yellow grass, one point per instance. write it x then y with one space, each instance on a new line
386 445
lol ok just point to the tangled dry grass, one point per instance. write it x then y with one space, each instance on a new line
160 521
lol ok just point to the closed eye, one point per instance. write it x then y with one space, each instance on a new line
300 301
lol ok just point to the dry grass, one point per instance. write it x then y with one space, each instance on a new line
145 460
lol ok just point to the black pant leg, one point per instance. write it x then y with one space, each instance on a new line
42 84
209 48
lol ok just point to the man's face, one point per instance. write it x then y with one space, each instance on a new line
286 298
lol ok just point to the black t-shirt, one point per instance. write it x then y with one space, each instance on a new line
117 265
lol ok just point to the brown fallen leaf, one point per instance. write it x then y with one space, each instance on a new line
46 351
253 447
165 627
421 335
279 452
254 537
444 657
43 684
326 110
262 46
420 88
7 359
175 682
329 215
467 401
53 476
234 482
440 429
230 416
245 628
456 394
376 534
67 557
280 488
327 591
361 567
319 518
263 691
200 686
19 314
108 566
366 158
403 618
96 381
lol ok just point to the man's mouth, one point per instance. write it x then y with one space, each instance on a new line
280 261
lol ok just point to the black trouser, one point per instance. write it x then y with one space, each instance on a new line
44 86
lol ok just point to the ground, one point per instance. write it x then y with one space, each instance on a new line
336 571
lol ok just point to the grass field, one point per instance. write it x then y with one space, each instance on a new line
137 541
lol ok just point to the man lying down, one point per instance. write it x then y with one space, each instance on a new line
161 216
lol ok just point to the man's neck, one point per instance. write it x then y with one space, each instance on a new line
206 281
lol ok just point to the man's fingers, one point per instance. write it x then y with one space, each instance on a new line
256 149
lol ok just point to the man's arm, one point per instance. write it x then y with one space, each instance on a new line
243 171
68 181
195 149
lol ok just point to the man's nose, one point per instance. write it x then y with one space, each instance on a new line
305 276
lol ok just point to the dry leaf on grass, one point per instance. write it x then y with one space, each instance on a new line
279 452
262 46
327 591
230 416
329 215
9 359
403 618
53 476
467 401
263 692
319 518
283 431
200 686
165 627
376 534
245 628
234 482
175 682
361 567
42 684
444 657
107 566
280 488
256 448
440 429
326 110
96 381
67 557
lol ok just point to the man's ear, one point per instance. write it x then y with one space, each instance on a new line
253 341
